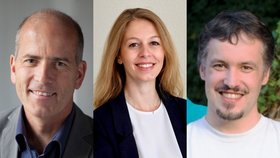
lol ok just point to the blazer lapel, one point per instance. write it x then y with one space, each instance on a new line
8 142
177 113
122 122
80 141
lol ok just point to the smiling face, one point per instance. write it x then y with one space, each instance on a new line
45 71
234 75
142 52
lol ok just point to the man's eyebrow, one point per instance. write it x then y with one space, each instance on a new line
60 59
241 63
50 58
217 61
31 56
249 63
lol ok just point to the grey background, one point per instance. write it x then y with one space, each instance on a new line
12 12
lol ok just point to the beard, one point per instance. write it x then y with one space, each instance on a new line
228 115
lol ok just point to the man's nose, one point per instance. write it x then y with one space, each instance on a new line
231 78
44 73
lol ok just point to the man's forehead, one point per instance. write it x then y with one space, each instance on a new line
44 31
243 47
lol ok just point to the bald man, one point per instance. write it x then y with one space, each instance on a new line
46 69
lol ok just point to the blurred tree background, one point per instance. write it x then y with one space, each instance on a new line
199 12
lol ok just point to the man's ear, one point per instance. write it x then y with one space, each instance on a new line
82 67
266 75
202 71
13 68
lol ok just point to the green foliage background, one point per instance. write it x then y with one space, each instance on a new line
199 12
269 100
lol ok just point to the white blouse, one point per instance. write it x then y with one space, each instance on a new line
153 133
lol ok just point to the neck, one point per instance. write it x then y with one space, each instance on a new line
142 97
40 131
247 122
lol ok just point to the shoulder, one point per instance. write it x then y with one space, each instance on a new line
273 123
200 124
11 113
112 107
175 104
112 112
82 118
180 101
198 127
181 105
197 124
173 100
81 134
103 115
112 115
82 125
9 117
103 111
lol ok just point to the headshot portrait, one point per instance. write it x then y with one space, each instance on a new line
46 112
139 90
13 12
106 12
236 52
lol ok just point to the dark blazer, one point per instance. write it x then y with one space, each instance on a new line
79 144
113 134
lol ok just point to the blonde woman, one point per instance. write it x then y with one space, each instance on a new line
139 112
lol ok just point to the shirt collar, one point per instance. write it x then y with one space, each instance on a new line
60 136
20 131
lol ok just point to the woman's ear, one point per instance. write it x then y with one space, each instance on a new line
120 60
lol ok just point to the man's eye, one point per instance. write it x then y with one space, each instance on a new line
219 67
30 61
246 68
133 45
60 64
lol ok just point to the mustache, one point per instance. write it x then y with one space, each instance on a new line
236 89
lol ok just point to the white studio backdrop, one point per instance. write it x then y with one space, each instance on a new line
12 12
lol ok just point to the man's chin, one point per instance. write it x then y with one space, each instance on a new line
229 116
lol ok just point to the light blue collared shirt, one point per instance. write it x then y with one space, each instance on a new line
56 146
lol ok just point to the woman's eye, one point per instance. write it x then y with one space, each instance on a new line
155 43
132 45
